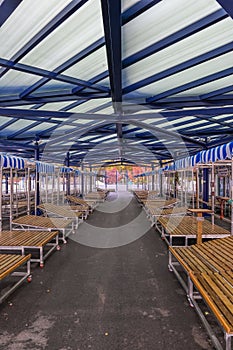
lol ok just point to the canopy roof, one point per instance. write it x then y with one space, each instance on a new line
97 81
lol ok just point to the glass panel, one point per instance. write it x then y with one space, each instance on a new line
80 30
30 17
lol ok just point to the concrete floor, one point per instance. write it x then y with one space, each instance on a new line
103 298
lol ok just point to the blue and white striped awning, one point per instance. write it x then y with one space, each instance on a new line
65 169
45 168
211 155
12 162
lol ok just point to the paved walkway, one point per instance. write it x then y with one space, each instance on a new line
104 298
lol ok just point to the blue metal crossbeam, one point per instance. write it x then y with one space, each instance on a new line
73 6
23 130
111 11
180 67
31 113
16 145
49 74
227 5
212 77
66 65
137 10
216 93
7 8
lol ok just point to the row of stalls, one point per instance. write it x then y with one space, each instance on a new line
204 180
26 184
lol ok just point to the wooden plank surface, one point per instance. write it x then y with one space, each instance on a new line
10 262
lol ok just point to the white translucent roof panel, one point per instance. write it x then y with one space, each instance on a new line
91 105
16 126
55 106
216 65
209 126
104 138
224 117
90 67
125 4
54 86
41 127
15 82
30 17
4 120
209 87
203 42
87 138
85 26
163 19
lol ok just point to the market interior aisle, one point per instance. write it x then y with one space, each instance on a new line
104 298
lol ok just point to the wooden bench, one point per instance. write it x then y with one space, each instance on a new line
35 241
216 289
52 210
9 263
33 222
158 203
90 205
209 268
185 228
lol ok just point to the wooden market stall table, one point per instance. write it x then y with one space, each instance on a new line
90 204
62 211
158 204
11 266
199 212
185 229
22 241
33 222
154 213
209 270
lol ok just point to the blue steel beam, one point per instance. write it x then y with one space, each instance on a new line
180 67
111 12
227 5
64 95
185 101
49 74
216 93
7 8
69 63
21 113
137 9
73 6
176 37
15 145
10 122
207 79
